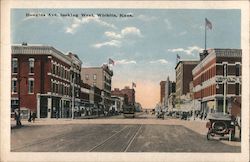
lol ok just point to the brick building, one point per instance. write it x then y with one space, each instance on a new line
100 77
41 80
218 73
118 93
126 92
183 71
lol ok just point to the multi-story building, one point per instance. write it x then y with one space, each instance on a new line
183 71
41 80
130 92
162 91
217 78
127 93
100 77
169 88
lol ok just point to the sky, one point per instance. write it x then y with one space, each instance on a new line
144 44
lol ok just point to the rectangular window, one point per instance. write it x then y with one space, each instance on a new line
237 69
31 85
224 69
53 68
14 65
87 76
14 86
94 76
31 65
237 89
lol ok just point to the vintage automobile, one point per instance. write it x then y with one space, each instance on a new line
220 124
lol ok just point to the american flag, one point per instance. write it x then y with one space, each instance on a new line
111 61
208 23
133 84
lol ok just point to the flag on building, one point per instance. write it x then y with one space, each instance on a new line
133 85
208 24
111 61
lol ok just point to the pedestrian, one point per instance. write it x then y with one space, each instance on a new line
33 117
57 114
205 117
201 116
30 116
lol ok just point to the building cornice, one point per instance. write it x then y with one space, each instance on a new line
40 50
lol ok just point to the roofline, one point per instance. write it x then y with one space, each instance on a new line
186 61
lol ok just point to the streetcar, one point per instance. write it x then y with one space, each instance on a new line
129 111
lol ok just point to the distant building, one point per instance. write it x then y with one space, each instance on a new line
117 104
130 92
100 77
183 71
42 78
162 91
127 93
169 88
117 93
218 68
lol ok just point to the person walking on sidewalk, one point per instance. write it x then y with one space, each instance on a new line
33 117
30 117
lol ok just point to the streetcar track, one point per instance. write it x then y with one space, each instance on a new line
48 139
107 139
132 138
125 147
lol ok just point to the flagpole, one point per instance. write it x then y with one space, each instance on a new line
205 36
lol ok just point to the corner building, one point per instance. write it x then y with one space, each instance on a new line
218 68
42 80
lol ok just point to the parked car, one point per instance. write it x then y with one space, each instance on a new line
221 124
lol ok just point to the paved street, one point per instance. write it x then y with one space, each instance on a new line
143 134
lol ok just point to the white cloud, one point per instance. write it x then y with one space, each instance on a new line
146 18
126 32
182 33
85 20
160 61
168 23
124 62
114 43
113 35
189 50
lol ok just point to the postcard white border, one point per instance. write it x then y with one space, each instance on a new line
6 155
